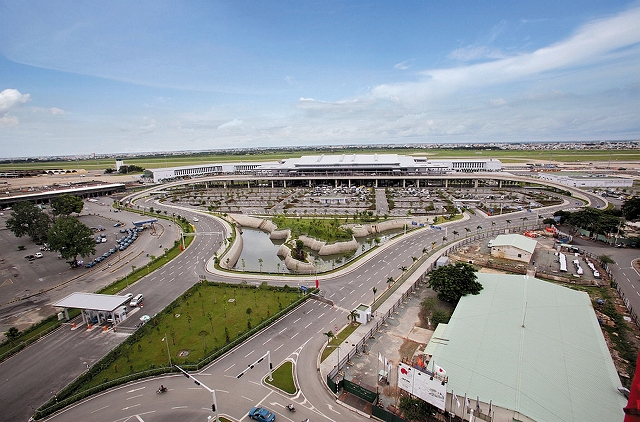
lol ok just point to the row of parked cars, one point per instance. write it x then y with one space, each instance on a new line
130 235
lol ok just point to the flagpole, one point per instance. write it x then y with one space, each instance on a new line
450 405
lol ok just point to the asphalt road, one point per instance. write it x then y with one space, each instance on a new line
299 336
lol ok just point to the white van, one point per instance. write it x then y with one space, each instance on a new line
195 219
136 301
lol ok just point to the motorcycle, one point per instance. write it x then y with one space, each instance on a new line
162 389
290 408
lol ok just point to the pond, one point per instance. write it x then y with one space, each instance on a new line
258 246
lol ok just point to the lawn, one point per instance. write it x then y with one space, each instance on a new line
283 378
338 339
272 155
200 322
322 229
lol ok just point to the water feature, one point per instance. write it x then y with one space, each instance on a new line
258 246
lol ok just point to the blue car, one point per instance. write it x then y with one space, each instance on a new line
262 414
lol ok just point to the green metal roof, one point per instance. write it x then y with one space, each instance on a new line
533 347
515 240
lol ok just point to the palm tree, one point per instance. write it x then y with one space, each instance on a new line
508 222
424 251
390 281
444 239
433 245
467 229
403 268
455 233
523 220
493 223
260 261
353 315
329 335
479 228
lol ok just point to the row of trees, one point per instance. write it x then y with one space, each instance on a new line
63 232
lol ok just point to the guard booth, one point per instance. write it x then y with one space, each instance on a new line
363 314
96 308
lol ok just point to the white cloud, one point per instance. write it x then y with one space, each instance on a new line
593 43
232 123
476 52
497 102
57 111
403 65
7 121
10 98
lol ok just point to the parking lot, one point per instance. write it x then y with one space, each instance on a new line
28 286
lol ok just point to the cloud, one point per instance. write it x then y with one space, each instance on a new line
593 43
10 98
497 102
475 52
57 111
403 65
7 121
233 123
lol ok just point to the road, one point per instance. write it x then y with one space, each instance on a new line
298 335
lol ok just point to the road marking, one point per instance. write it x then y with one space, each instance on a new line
350 282
332 409
133 397
266 342
129 407
249 353
360 285
230 367
97 410
341 288
136 389
246 398
283 330
297 320
310 310
321 315
278 347
179 407
292 336
307 326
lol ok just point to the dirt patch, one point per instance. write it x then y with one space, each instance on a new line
408 348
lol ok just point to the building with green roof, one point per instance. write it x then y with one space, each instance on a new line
532 349
513 246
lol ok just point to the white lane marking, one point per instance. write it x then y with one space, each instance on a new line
321 315
297 320
294 336
307 326
97 410
129 407
266 342
230 367
282 331
333 320
360 285
133 397
246 398
341 288
179 407
249 353
278 347
136 389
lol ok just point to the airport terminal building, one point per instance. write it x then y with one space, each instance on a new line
356 164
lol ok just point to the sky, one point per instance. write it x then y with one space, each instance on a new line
81 77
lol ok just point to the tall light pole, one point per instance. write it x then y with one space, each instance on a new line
338 349
166 340
214 406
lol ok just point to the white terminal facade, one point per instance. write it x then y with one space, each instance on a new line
356 164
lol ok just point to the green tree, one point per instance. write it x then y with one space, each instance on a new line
353 315
66 204
631 208
415 409
12 334
28 219
451 282
329 335
71 238
439 316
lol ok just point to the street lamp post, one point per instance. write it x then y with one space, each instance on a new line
214 406
166 340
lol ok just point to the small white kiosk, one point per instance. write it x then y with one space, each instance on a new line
364 314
